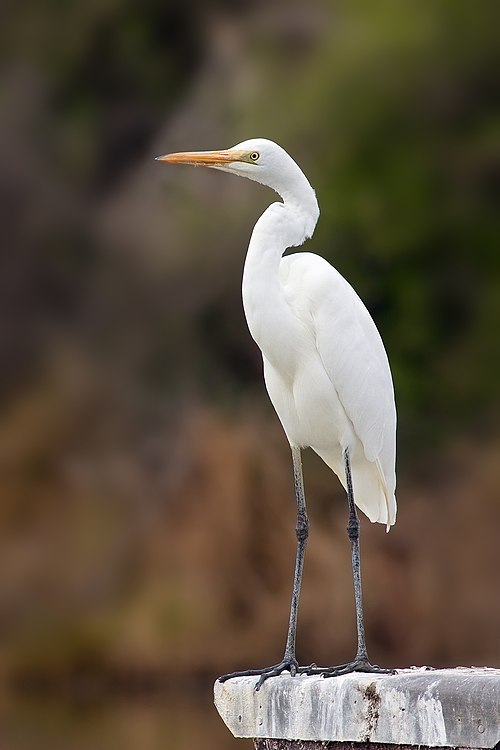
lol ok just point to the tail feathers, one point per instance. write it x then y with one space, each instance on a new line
389 499
371 493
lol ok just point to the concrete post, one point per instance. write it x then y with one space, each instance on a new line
414 707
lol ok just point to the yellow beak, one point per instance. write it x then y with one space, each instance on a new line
203 158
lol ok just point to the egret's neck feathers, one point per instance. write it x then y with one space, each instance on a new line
301 210
292 222
282 225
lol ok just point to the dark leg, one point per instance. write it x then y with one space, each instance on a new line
289 662
361 663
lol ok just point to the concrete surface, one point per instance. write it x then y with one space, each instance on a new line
418 706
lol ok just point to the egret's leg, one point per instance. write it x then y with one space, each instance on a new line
289 662
353 534
302 532
361 662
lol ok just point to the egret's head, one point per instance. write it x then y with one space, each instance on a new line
258 159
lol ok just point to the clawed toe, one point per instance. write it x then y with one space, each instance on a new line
357 665
360 664
286 665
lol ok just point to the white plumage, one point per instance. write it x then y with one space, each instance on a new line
325 366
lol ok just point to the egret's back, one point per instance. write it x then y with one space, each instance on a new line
346 350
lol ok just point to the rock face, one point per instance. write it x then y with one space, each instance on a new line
419 706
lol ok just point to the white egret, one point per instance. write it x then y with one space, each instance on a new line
325 366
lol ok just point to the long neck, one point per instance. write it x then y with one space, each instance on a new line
268 315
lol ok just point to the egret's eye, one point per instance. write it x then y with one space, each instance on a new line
254 156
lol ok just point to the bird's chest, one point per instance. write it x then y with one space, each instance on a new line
308 405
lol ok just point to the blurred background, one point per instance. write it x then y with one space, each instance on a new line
147 511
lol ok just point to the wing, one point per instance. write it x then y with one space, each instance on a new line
351 351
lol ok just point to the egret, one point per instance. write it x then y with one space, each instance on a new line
325 367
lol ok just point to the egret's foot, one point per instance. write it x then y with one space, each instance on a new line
289 664
360 664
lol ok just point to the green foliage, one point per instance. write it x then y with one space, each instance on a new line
390 109
396 112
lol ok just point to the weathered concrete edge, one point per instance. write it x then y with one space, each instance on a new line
435 708
270 744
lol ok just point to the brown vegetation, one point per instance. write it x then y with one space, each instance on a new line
181 565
